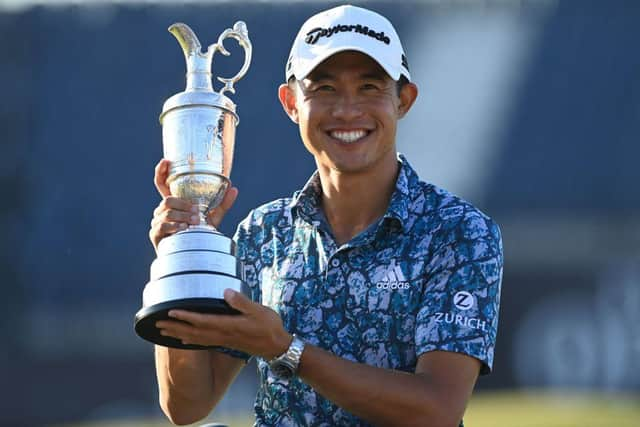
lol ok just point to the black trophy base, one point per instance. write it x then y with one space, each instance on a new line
146 318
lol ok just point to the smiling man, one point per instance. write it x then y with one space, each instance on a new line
374 295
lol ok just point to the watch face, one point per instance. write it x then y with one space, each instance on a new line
281 370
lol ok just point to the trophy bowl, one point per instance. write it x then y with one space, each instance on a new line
195 266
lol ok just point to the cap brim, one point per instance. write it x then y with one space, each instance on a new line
303 71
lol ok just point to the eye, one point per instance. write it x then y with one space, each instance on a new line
370 86
324 88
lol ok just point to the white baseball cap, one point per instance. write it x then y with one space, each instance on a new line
347 28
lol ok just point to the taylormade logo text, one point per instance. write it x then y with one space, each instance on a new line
313 35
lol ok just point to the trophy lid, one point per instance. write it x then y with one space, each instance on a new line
199 90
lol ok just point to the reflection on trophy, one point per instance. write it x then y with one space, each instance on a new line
195 266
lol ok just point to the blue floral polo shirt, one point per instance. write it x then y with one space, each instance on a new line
424 277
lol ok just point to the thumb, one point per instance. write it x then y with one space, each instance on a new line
237 300
161 173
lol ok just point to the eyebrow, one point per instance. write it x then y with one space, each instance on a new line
374 76
316 76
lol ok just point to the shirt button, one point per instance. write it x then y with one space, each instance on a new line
335 262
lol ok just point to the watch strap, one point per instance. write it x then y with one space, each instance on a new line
290 359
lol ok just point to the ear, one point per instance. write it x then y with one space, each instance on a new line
287 96
407 96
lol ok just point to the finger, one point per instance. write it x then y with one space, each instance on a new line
163 229
238 301
220 324
179 203
187 332
174 325
160 177
216 215
175 203
167 228
196 319
172 215
195 328
160 231
178 216
182 332
170 329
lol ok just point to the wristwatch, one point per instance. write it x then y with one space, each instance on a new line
286 365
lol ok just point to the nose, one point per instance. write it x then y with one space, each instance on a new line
347 107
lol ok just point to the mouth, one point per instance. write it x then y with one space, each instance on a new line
349 136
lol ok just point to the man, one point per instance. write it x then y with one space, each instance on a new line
375 295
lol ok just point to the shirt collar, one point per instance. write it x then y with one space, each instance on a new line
307 200
401 198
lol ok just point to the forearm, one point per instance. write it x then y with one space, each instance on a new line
380 396
185 383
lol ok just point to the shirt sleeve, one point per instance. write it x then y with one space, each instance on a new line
461 296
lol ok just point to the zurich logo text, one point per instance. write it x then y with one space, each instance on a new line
460 320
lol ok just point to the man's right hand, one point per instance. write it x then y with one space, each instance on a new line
174 214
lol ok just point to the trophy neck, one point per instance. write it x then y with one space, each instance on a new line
202 213
198 74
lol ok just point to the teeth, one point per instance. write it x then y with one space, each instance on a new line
348 136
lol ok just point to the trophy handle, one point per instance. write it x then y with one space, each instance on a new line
240 33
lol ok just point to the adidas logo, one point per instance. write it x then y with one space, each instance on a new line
393 278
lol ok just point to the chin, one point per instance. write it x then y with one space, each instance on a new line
346 167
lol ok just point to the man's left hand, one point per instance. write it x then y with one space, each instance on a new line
257 330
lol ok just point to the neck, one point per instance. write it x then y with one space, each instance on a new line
353 201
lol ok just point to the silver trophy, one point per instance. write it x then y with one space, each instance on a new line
195 266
